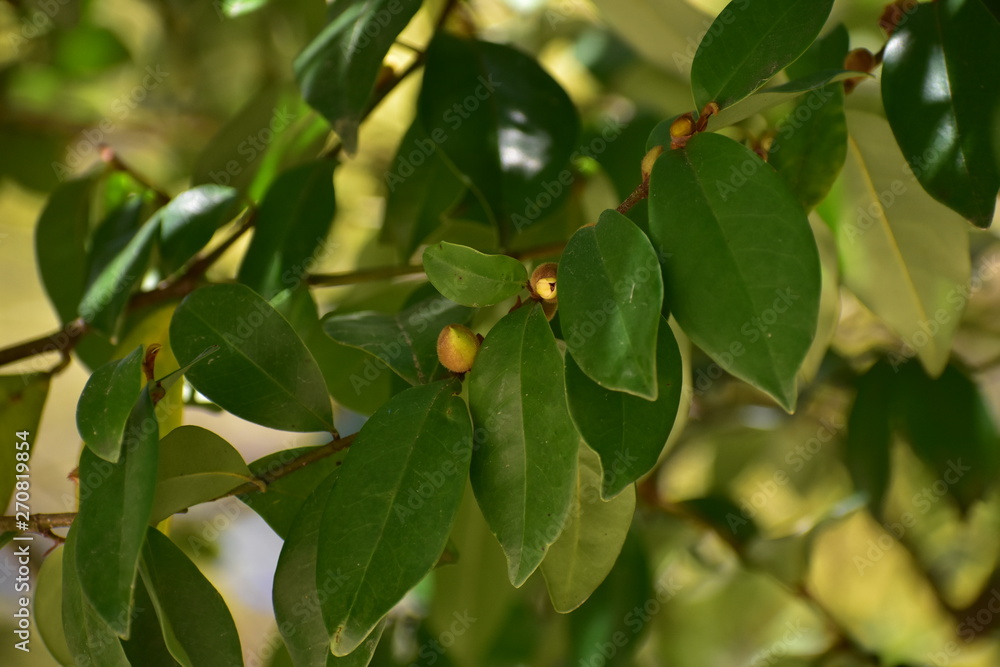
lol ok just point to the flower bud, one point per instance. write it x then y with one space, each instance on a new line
543 281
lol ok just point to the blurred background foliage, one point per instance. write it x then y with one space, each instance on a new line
804 576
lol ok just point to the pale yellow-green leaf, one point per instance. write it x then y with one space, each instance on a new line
905 255
48 607
591 539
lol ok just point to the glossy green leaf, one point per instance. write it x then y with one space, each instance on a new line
106 403
524 467
111 283
610 293
281 502
819 83
591 539
387 519
189 220
741 266
262 371
422 187
749 42
47 605
22 399
903 254
942 109
627 432
61 244
608 628
197 626
146 645
290 229
296 589
471 278
502 122
405 341
116 502
338 70
867 447
810 144
195 466
950 428
90 639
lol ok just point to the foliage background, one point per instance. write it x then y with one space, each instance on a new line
87 65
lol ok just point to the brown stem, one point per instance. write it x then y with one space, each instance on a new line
42 524
640 193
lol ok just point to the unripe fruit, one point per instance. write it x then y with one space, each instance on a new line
543 281
457 348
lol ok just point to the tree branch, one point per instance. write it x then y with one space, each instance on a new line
42 524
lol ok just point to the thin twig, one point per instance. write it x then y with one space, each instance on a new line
42 524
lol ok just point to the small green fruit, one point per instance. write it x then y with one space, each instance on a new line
457 348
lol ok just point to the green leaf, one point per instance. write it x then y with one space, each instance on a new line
338 70
296 590
765 99
235 8
111 283
524 466
61 244
902 253
90 640
284 497
406 341
388 518
502 122
867 452
290 229
422 188
627 432
810 144
47 606
471 278
614 618
189 220
742 270
949 426
195 466
197 626
942 109
106 403
610 294
591 540
146 645
749 42
22 399
116 502
262 371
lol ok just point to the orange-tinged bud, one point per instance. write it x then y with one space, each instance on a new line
457 348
